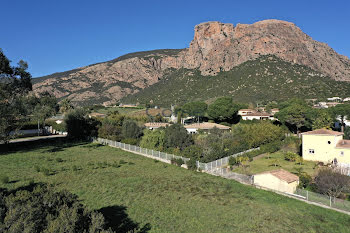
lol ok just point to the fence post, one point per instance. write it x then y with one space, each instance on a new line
146 151
330 201
166 156
307 195
158 154
129 146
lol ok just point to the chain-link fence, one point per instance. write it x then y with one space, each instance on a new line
228 174
323 199
215 168
143 151
221 162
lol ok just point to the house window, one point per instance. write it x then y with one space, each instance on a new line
341 153
329 142
311 151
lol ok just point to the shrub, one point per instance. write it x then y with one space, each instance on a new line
75 168
238 160
45 171
79 125
191 164
131 141
177 161
59 160
31 181
332 183
290 156
304 180
37 168
4 179
122 162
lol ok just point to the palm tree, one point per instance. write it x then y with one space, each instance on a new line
66 105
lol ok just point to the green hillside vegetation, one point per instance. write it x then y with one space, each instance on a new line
164 197
266 78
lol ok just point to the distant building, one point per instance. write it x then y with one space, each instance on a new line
193 128
325 146
279 180
156 125
274 111
335 99
245 111
96 114
346 99
258 116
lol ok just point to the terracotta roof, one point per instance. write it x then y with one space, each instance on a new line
258 114
156 124
206 125
343 144
323 132
282 175
247 109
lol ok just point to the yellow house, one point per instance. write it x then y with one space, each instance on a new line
279 180
325 146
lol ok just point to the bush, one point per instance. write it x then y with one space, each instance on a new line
122 162
43 210
304 180
177 161
332 183
238 160
59 160
191 164
79 125
4 179
37 168
46 171
75 168
131 141
290 156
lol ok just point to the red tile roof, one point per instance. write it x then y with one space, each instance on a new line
282 175
343 144
323 132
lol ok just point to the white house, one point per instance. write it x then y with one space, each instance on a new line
258 116
193 128
245 111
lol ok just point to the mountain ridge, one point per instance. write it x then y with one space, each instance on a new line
216 47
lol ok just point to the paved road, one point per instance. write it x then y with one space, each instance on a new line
36 138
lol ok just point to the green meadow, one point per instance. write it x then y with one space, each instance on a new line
163 197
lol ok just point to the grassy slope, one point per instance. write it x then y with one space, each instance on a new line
171 199
267 78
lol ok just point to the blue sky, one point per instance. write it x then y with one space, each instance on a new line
54 36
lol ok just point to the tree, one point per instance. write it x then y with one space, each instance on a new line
153 139
341 111
176 136
224 110
296 116
332 183
321 118
15 83
130 129
197 109
66 105
46 107
79 125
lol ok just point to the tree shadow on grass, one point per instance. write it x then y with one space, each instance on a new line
118 220
52 145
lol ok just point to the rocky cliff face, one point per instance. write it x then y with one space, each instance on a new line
216 47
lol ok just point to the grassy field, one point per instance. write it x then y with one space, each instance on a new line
168 198
266 164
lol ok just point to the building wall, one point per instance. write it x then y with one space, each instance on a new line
272 182
324 148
